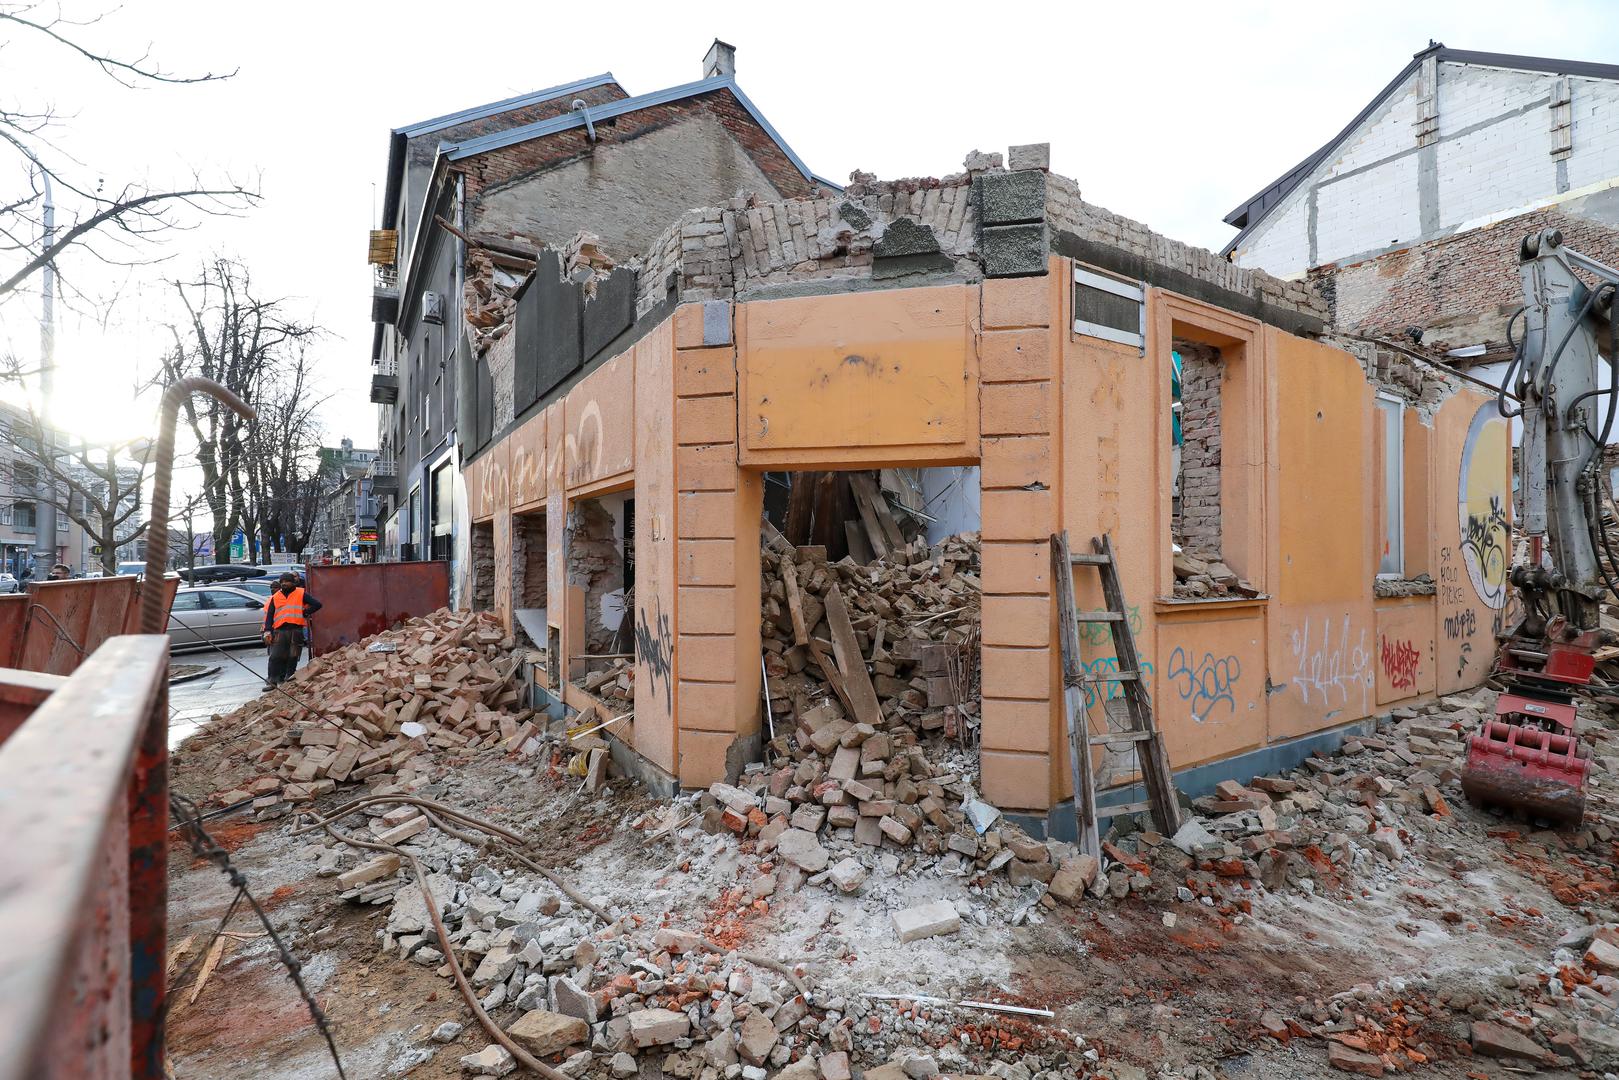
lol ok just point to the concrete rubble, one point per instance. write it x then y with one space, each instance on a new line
862 835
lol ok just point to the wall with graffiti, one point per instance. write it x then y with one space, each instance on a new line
654 610
1210 699
1070 432
1405 649
1474 539
1323 640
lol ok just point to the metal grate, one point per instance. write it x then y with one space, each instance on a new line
1110 309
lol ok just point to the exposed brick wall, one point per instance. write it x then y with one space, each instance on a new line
1422 385
1066 211
1197 526
502 359
483 566
1459 289
749 243
596 565
528 561
498 170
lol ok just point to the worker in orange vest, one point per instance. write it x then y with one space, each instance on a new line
286 618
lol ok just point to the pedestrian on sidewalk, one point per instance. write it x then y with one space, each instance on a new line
286 618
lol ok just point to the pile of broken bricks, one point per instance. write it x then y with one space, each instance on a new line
1198 579
1558 1014
889 646
375 712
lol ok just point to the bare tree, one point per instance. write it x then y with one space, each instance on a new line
281 479
105 220
247 344
98 487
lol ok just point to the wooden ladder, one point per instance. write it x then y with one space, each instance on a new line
1143 736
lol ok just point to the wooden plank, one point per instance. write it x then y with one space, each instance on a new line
851 664
868 517
859 548
800 508
827 519
866 491
1073 700
795 602
1099 616
834 678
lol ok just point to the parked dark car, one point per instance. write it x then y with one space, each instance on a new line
220 573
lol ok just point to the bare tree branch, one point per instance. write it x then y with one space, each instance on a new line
126 72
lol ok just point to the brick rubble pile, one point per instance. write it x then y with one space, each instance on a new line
1199 579
375 712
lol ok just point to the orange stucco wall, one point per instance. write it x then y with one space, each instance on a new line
1071 432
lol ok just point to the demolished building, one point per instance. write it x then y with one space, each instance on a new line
993 331
467 199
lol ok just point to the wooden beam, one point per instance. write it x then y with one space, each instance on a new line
800 508
795 602
851 664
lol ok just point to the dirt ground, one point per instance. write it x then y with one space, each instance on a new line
1449 927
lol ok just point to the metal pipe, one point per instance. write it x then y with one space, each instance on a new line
580 107
153 618
45 508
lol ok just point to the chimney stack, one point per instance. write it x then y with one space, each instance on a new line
720 60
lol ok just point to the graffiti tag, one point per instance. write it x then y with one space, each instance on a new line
1463 624
1108 689
1400 661
1099 634
1326 668
1206 684
1450 580
1484 545
655 648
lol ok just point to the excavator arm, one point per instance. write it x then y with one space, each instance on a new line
1528 756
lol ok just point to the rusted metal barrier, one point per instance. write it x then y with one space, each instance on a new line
83 877
66 621
367 598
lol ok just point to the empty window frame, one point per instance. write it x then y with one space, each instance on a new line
1391 447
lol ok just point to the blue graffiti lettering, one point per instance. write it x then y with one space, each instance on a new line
1207 684
1105 690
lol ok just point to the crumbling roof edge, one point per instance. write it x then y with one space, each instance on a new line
1249 213
542 128
479 112
399 137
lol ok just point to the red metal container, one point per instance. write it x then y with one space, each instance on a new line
368 598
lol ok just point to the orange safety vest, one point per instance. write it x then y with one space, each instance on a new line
288 608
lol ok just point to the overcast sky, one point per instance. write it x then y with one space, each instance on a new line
1168 112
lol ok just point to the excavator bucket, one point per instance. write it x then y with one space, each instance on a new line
1526 757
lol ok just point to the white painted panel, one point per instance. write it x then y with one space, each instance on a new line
1368 211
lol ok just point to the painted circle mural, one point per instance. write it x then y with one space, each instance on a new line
1481 504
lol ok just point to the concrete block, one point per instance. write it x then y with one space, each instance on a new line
1029 156
1011 198
905 237
926 920
1015 250
657 1027
542 1032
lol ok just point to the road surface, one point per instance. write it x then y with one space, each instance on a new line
192 703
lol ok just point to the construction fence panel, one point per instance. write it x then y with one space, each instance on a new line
83 885
368 598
